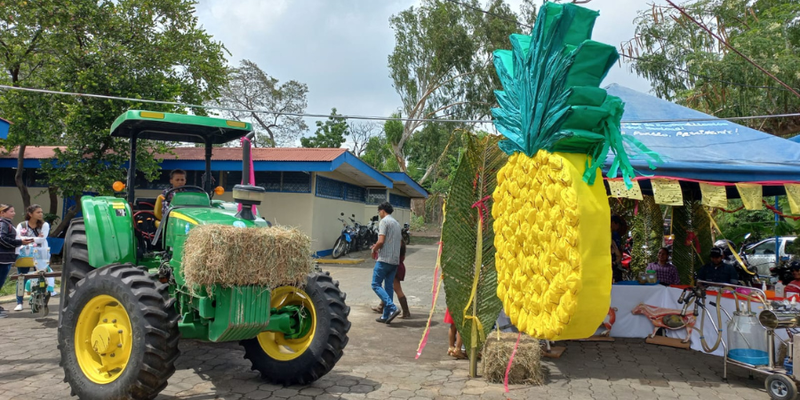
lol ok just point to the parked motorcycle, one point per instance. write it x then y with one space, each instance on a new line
748 275
406 235
344 243
362 239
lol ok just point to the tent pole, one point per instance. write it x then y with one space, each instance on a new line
777 238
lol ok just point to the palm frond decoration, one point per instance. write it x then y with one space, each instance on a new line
692 230
468 268
648 234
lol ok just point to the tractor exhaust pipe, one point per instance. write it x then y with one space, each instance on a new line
246 144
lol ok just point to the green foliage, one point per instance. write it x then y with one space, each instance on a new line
441 62
474 180
417 223
685 64
251 88
648 234
151 49
51 219
760 224
329 134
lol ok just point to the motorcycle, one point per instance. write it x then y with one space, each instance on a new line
406 236
362 239
748 274
344 243
372 230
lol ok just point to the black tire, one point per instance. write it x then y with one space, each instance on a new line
339 248
407 238
326 347
154 326
780 387
76 261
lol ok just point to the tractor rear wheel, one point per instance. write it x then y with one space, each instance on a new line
76 260
118 335
303 360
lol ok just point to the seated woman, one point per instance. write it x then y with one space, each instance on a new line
666 272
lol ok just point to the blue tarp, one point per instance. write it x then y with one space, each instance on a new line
715 150
795 139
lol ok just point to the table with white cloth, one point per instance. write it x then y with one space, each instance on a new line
626 297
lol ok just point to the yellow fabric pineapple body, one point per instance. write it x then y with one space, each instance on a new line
553 238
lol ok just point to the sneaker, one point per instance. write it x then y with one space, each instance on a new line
380 320
18 307
53 294
392 316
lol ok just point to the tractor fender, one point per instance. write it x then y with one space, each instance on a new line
109 230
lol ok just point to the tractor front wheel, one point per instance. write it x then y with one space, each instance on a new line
118 335
304 359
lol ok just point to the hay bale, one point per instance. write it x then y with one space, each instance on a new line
526 367
230 256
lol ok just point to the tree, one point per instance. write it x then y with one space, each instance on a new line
442 61
150 49
25 44
329 134
361 133
250 88
378 150
687 65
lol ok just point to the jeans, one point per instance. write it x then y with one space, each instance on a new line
4 270
20 271
382 285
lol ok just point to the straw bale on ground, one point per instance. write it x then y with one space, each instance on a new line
231 256
526 367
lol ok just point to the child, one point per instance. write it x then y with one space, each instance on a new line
454 339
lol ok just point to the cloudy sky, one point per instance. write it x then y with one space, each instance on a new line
339 48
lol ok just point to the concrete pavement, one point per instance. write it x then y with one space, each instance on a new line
379 361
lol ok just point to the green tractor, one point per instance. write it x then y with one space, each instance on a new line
125 302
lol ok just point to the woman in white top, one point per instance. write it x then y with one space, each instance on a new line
35 227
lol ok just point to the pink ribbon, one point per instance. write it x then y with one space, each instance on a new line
435 295
510 360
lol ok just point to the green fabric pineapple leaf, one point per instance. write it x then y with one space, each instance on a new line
465 252
552 99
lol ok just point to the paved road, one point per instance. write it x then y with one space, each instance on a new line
379 362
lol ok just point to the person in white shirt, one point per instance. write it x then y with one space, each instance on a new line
36 228
386 252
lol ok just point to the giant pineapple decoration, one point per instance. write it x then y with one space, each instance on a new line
552 219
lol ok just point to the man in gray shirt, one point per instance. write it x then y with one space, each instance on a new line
388 258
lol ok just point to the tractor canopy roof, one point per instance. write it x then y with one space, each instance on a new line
155 125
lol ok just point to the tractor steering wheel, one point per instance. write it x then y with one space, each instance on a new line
188 188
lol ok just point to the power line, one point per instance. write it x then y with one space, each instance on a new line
359 117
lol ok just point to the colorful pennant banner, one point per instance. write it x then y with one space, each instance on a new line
619 189
793 194
751 195
667 192
714 195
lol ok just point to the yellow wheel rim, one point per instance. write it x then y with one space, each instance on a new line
103 339
274 343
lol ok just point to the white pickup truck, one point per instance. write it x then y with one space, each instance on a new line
762 254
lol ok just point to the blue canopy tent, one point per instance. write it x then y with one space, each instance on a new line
701 147
795 139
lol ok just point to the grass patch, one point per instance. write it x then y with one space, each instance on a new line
424 240
10 287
